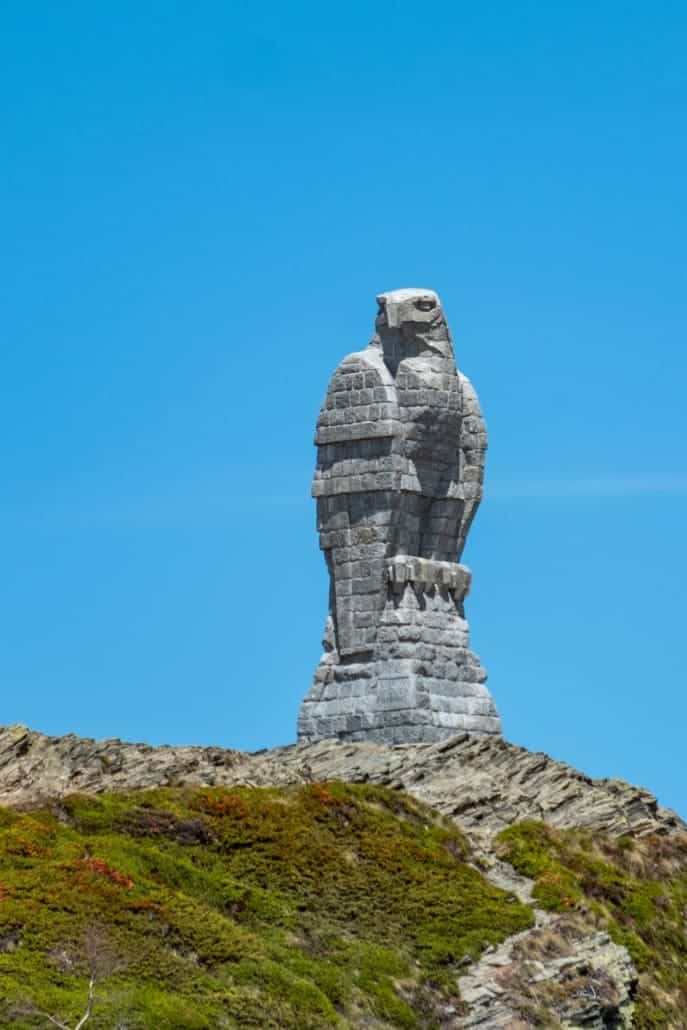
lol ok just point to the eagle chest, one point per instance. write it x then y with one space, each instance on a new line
430 404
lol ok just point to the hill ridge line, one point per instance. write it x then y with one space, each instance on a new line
484 783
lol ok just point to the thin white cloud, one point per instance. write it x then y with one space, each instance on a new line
195 508
603 486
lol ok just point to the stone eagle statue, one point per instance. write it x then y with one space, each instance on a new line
400 443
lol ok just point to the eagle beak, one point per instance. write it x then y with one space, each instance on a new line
392 313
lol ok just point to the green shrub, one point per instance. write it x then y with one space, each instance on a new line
305 907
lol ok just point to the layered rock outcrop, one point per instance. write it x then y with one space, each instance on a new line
484 783
554 975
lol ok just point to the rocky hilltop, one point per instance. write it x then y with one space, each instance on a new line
597 867
484 783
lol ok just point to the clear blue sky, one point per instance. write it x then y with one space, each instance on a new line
198 205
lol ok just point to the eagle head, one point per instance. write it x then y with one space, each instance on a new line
413 320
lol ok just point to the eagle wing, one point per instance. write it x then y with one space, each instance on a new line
473 448
357 477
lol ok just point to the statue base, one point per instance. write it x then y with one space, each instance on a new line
419 683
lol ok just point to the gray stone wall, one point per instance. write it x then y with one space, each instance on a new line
400 462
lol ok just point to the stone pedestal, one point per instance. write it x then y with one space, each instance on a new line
420 682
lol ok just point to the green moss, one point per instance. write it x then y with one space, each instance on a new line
636 888
318 906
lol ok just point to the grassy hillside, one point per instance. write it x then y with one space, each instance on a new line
324 905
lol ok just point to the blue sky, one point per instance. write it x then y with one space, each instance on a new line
198 205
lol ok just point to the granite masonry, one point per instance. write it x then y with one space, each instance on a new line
400 461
